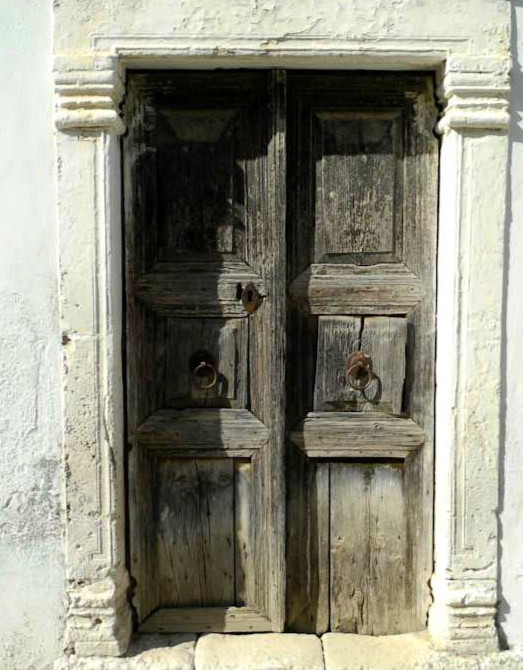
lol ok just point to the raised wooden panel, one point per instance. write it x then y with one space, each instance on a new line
348 289
384 339
197 289
193 515
195 525
203 429
358 185
370 569
201 199
357 435
223 342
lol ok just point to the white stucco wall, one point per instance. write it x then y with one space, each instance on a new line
31 573
31 564
511 503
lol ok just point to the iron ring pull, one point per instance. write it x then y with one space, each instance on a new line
359 370
202 370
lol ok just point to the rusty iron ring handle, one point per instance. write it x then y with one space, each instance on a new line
359 364
197 374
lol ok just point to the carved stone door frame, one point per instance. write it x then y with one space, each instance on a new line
474 91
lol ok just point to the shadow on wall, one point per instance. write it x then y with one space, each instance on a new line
510 547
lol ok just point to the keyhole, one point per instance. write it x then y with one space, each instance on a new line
250 298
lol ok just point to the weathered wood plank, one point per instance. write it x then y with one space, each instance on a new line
384 339
308 546
206 620
267 336
244 534
193 514
421 216
358 168
203 429
368 549
196 289
225 342
142 536
338 337
356 434
369 292
328 276
200 208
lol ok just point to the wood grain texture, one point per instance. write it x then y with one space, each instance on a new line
206 620
197 289
369 562
201 200
331 291
203 429
267 338
205 206
332 276
244 533
193 514
308 545
384 339
225 342
355 434
358 185
331 215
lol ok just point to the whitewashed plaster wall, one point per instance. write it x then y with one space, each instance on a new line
31 575
31 562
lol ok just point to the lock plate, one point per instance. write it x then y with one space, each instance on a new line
251 299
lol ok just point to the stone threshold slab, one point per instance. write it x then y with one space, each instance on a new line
289 651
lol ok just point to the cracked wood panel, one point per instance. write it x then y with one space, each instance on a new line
362 231
384 339
370 569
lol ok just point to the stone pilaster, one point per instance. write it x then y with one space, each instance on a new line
88 93
471 233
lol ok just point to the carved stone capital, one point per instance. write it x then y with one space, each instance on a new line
99 618
475 92
88 92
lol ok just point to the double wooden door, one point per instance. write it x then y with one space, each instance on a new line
280 270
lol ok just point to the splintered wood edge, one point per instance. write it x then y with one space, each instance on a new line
203 429
206 620
336 434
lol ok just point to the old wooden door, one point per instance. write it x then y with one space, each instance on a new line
280 267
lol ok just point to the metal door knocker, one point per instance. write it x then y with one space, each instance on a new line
203 371
359 370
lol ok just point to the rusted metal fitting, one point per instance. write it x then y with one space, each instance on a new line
359 370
